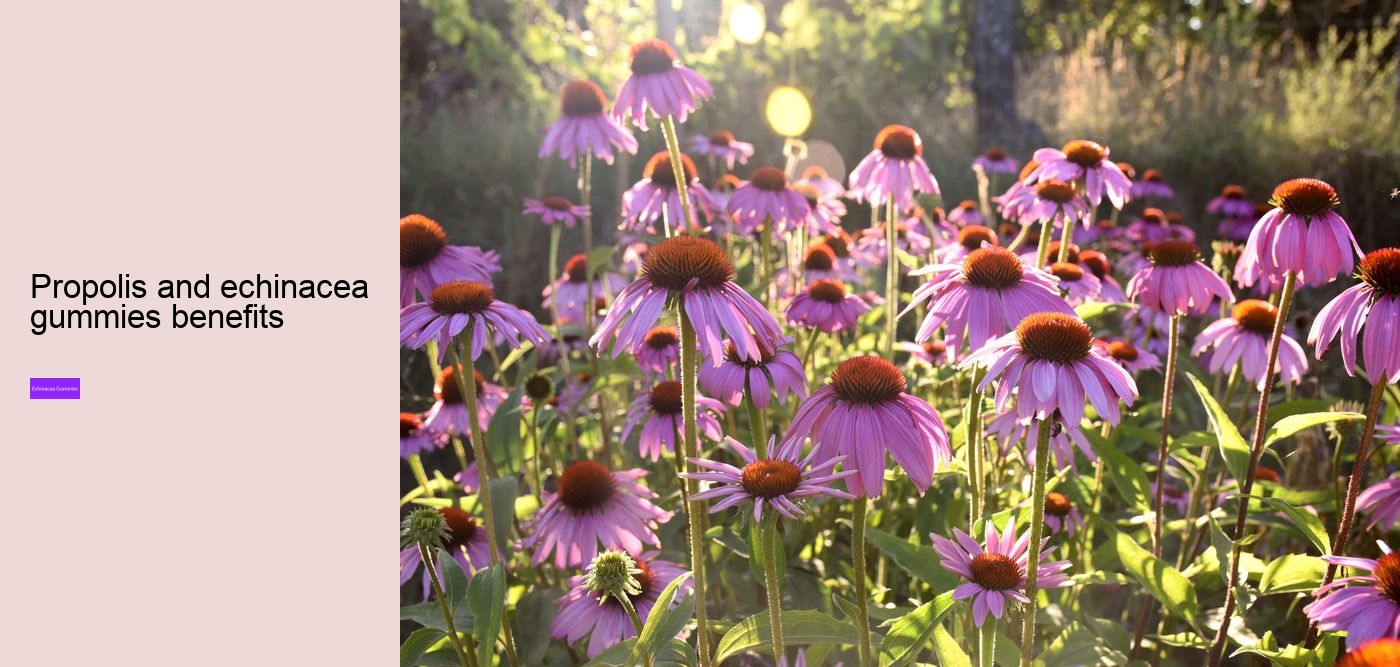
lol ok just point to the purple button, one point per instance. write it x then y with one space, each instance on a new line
54 388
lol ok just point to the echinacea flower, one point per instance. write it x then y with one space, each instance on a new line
825 305
1061 515
1155 226
995 161
1055 202
583 127
594 505
1375 653
1243 338
997 572
1301 234
909 237
465 543
983 296
1177 282
829 187
656 199
555 210
932 352
894 170
1131 358
1051 358
1368 313
426 261
1366 606
1013 431
1079 286
970 237
448 415
1232 203
819 262
966 213
698 276
413 438
1017 195
1388 433
781 481
658 413
585 613
660 349
1087 160
722 145
1382 501
863 413
824 213
1151 185
571 290
777 372
659 84
1097 263
456 306
767 200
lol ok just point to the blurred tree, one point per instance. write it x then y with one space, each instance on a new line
994 71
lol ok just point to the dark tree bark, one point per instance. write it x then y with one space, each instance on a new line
994 71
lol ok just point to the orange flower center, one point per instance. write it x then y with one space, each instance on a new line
1055 337
1056 191
770 478
1305 196
995 153
1174 253
661 337
1084 153
899 142
420 240
995 572
1067 271
1232 192
652 56
994 268
721 138
409 424
819 257
1381 270
1122 351
675 262
1057 504
662 174
1383 652
827 290
1256 316
582 98
973 236
1096 262
868 380
577 268
1387 574
461 526
770 179
461 297
586 485
449 392
666 398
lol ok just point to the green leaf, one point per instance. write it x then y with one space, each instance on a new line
417 644
665 621
1292 573
1223 548
1307 522
755 546
916 560
1290 425
799 627
1128 477
946 646
1233 448
1295 655
674 652
1161 580
847 607
533 615
486 596
502 435
503 491
911 632
1185 640
1092 309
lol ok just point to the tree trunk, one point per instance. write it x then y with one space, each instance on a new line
994 71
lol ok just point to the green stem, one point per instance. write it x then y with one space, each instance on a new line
428 562
415 462
1358 473
631 610
1173 341
468 388
1066 237
555 231
975 457
773 583
891 278
1042 462
987 643
1042 251
1217 649
861 504
690 356
673 147
585 192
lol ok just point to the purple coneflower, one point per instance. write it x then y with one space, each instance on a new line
1389 434
1155 226
864 412
983 296
1079 286
453 307
909 237
818 262
779 372
1369 610
1061 514
659 84
656 199
1374 305
1128 356
1232 203
1243 338
830 188
553 210
697 274
1382 501
1097 263
766 198
720 194
825 305
1089 161
966 213
584 613
448 415
572 289
825 213
413 438
1012 202
970 237
660 350
1151 185
583 127
465 543
1301 234
722 145
1051 357
894 170
426 261
594 505
780 481
932 352
658 412
1177 282
1011 431
996 572
1054 202
995 161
